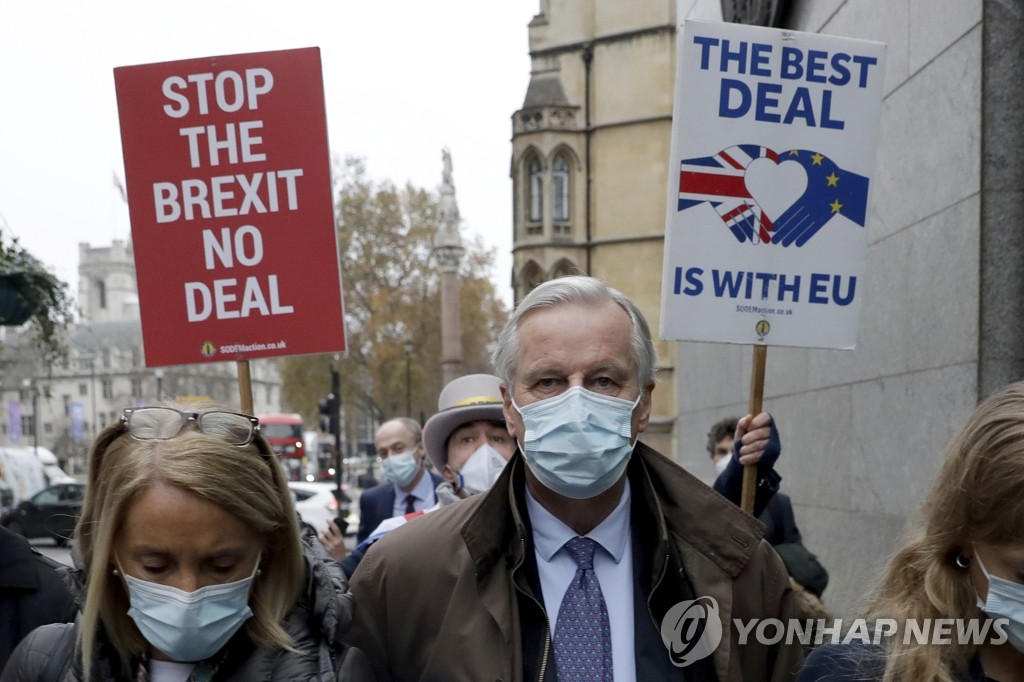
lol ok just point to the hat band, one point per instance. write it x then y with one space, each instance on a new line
478 400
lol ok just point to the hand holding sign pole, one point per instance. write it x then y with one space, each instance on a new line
756 398
773 149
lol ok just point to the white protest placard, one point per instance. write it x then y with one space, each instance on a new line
773 152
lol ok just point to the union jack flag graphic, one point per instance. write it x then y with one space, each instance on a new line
720 181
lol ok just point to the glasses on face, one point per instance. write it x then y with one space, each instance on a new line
163 423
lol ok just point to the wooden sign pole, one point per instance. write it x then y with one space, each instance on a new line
756 395
245 391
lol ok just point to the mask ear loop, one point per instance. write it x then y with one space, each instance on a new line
256 569
981 603
520 446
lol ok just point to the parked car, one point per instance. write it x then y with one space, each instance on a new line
52 512
316 503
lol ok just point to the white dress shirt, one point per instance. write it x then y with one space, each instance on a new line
423 492
613 564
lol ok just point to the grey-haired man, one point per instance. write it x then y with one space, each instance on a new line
572 566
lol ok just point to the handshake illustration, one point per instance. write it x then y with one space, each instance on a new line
765 197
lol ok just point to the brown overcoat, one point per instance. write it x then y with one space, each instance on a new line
437 598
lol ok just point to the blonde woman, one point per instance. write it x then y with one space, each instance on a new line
965 562
194 569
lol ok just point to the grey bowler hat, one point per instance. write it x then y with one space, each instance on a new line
474 397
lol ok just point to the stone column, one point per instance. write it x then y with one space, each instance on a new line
448 251
1001 337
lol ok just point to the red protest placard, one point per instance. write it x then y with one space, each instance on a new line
229 192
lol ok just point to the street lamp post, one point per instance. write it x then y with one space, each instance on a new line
31 385
339 475
92 395
159 374
407 345
35 419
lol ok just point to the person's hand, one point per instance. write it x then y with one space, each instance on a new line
333 540
752 436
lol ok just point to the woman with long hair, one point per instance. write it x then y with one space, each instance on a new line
963 561
193 566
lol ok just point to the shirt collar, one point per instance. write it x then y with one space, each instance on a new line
550 534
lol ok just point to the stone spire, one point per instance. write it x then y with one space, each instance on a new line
448 251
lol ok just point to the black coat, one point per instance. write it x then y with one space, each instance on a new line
31 592
780 524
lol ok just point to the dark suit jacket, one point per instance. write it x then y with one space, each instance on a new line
378 503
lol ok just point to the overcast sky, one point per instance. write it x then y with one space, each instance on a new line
403 79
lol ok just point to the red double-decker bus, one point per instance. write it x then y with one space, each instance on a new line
283 431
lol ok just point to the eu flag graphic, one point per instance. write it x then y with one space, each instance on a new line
830 191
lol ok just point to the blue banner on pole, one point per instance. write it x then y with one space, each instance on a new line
77 413
14 420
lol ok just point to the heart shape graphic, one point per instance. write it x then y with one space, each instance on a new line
775 187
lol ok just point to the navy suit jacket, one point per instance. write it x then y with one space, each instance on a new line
378 504
779 521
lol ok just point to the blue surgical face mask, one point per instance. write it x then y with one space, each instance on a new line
578 443
1005 600
400 469
188 626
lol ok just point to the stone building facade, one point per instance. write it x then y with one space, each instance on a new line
942 322
105 370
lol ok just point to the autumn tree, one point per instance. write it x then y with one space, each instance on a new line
391 290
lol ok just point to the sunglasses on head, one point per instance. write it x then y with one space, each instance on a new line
164 423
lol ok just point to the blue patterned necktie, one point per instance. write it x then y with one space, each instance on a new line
583 639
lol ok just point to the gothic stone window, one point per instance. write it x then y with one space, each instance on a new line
535 194
560 186
531 276
561 191
563 269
